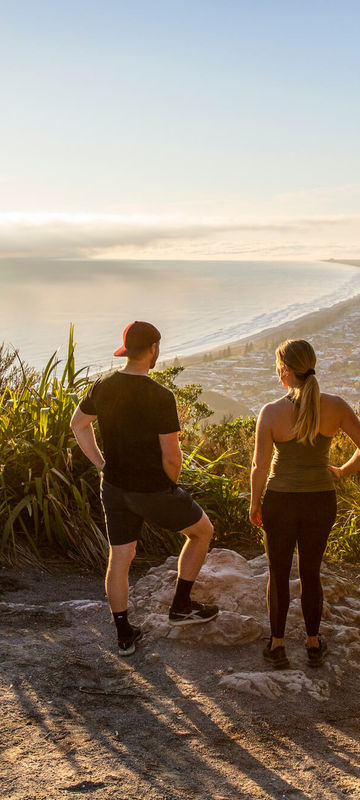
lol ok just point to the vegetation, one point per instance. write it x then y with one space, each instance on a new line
49 498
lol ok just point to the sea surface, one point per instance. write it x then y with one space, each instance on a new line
196 305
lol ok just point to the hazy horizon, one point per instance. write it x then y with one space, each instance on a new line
174 131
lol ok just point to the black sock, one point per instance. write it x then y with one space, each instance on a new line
122 624
182 594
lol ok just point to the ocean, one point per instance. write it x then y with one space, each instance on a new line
197 305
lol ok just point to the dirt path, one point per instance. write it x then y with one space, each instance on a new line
78 722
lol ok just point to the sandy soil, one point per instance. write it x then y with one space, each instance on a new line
78 722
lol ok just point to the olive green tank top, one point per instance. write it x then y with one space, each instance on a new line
299 467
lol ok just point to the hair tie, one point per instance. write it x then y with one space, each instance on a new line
301 376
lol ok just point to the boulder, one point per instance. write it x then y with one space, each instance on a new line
238 586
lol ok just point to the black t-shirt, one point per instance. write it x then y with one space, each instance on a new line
132 410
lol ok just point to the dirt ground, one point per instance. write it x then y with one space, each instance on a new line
79 722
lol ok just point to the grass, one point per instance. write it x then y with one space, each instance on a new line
344 540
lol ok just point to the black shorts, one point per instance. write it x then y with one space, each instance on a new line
125 512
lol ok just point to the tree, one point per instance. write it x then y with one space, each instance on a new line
191 409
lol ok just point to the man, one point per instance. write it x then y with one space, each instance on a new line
141 465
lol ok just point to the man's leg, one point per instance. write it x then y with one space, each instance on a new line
117 590
195 548
117 575
183 610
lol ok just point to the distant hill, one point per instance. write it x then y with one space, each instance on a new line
349 261
224 406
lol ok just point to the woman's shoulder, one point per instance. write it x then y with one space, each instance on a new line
272 409
334 408
275 404
333 401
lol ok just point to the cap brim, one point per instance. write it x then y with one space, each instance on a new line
122 351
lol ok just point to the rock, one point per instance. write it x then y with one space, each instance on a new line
239 588
274 684
228 628
56 614
155 626
353 602
348 614
346 634
152 658
354 653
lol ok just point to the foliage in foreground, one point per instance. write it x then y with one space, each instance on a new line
344 540
44 504
49 499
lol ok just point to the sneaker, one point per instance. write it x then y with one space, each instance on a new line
277 657
193 613
316 654
127 645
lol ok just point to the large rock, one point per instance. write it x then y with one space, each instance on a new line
235 584
238 586
228 628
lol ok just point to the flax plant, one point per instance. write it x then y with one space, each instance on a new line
43 504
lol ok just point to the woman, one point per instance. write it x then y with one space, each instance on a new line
299 506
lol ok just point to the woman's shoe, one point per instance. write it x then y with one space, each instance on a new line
316 654
277 657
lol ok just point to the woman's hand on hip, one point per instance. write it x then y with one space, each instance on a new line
337 472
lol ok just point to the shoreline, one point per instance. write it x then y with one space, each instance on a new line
348 262
295 328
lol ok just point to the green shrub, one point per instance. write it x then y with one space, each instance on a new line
191 410
237 435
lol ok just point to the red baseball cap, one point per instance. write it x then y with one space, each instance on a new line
137 336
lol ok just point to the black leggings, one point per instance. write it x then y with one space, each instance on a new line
305 518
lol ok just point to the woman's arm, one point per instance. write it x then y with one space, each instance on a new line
350 424
261 463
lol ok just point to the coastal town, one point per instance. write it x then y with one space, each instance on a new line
241 378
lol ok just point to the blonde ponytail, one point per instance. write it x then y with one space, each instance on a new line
299 355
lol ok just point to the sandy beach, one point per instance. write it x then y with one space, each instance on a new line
239 378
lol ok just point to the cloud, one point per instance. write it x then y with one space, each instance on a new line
100 236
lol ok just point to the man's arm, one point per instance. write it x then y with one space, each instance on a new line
81 425
171 455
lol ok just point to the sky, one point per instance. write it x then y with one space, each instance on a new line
195 129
